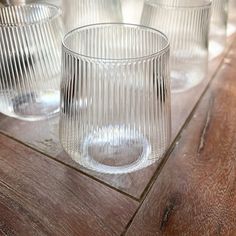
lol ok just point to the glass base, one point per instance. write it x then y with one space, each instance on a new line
231 29
182 81
215 49
30 106
114 150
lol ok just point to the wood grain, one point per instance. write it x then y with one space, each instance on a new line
39 196
43 136
195 193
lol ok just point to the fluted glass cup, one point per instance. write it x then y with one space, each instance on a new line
218 27
84 12
115 97
232 18
186 24
30 61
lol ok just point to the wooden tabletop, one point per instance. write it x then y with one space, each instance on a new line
190 191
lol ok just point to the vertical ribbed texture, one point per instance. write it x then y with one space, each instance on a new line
30 61
18 2
132 10
218 27
85 12
186 25
115 111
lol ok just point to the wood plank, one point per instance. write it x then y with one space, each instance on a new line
195 193
43 136
39 196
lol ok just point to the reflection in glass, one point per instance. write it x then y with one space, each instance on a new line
218 27
232 18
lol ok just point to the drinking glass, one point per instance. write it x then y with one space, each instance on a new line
30 61
115 97
186 24
232 18
84 12
218 27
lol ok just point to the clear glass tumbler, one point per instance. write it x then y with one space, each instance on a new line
84 12
115 97
218 27
232 18
186 24
30 61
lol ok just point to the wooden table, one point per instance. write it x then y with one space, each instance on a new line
190 191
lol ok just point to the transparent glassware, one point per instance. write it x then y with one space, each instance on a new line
85 12
218 27
186 24
132 11
115 97
22 2
30 56
232 18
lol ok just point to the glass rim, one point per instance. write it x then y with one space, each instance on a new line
77 54
44 20
208 4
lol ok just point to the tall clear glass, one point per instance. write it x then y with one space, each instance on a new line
232 18
186 24
30 61
115 97
79 13
218 27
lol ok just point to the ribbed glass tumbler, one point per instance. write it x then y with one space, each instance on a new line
30 61
232 18
186 24
115 97
85 12
218 27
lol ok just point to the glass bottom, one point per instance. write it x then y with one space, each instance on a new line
183 80
215 49
231 29
217 40
113 150
30 106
